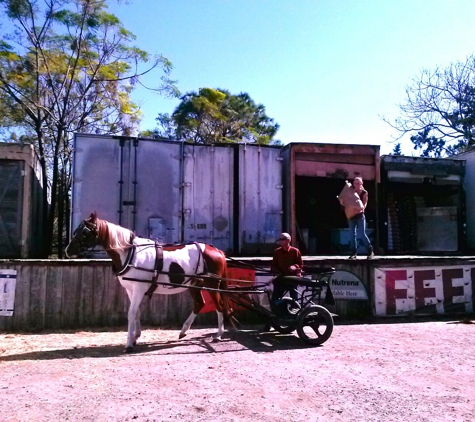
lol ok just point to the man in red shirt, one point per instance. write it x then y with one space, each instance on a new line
287 260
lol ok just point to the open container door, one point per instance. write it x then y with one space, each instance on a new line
314 176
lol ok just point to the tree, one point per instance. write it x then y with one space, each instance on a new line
397 150
216 116
68 67
439 110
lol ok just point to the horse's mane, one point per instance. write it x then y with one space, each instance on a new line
113 236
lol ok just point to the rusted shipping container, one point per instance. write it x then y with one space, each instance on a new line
21 201
314 175
228 195
422 205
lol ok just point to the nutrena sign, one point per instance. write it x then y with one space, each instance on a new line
347 286
424 290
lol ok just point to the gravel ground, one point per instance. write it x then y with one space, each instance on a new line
418 371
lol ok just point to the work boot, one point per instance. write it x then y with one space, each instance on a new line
352 256
370 253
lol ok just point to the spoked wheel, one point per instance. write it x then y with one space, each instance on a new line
315 325
285 320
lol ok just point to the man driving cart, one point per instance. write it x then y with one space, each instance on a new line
287 260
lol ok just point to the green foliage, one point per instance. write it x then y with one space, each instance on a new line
439 111
397 150
216 116
68 66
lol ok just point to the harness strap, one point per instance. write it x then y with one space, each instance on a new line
128 260
200 256
156 270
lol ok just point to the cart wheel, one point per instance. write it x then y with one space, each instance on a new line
315 325
287 322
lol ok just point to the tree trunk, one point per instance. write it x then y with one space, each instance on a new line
60 211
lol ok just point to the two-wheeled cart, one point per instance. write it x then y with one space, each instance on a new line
313 322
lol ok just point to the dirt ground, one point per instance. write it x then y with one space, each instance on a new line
419 371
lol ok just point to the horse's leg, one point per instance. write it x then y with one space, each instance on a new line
134 320
220 326
138 328
187 325
129 321
198 304
219 311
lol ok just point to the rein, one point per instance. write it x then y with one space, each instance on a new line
243 264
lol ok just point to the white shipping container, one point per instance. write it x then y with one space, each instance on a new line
260 199
131 182
208 195
228 195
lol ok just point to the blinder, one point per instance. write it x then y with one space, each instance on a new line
84 234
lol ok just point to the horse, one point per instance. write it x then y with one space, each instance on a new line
144 267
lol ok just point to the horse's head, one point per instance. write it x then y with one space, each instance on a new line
84 237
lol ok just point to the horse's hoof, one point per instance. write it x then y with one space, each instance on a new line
181 335
128 349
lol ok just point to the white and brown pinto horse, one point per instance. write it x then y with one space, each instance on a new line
139 263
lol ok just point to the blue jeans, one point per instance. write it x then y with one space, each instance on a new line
358 222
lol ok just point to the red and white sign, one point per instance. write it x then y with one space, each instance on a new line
424 290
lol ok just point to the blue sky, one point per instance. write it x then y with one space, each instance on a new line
326 70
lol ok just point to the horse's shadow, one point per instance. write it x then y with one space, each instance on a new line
233 341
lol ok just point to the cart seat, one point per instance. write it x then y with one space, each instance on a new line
319 270
302 281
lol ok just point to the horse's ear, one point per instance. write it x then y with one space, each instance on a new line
93 217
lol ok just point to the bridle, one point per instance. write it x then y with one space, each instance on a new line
83 234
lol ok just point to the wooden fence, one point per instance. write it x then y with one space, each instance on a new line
53 294
64 294
70 294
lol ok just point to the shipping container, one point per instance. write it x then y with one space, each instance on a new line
259 177
229 195
422 205
128 182
314 174
21 201
469 188
208 191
